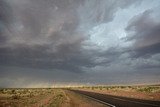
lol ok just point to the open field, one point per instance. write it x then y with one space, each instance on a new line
148 92
44 97
54 97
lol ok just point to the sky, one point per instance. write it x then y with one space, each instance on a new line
44 43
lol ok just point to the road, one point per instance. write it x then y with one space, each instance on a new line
117 101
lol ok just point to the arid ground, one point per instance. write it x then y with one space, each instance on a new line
54 97
44 98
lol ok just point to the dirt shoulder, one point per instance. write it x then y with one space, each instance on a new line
77 100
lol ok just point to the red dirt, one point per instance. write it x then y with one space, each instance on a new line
43 102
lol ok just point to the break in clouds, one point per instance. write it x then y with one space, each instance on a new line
48 42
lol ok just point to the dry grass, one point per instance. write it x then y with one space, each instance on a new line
43 98
26 97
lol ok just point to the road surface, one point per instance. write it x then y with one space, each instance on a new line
117 101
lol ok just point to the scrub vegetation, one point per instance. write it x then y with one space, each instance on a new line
145 88
27 97
43 97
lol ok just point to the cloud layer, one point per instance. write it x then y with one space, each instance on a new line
82 41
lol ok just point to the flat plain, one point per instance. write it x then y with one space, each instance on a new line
66 97
44 97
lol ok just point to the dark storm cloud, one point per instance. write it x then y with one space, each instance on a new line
45 33
48 39
146 34
5 20
109 56
38 21
37 57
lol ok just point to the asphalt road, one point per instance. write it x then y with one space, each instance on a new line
116 101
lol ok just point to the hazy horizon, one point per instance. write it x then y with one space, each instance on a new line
77 42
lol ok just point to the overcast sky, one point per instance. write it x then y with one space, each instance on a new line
48 42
